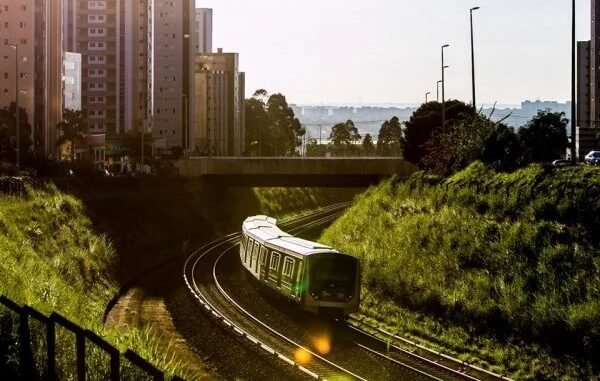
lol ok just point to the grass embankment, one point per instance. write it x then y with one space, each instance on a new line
70 250
502 270
53 260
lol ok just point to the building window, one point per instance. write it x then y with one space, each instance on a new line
97 5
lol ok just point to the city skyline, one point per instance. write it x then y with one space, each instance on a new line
526 46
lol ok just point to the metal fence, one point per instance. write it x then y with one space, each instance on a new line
13 186
37 359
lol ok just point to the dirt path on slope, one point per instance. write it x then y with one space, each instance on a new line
144 305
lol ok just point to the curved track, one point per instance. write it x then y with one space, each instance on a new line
216 279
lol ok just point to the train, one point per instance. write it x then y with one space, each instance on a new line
313 276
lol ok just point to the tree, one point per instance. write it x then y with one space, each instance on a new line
426 120
132 143
73 128
285 130
271 126
389 142
8 133
368 145
502 149
343 136
544 137
461 145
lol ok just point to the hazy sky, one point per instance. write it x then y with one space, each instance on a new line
388 51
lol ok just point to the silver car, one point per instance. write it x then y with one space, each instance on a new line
593 158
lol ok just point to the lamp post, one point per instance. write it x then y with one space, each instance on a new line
427 97
444 90
18 126
438 91
186 133
573 88
473 57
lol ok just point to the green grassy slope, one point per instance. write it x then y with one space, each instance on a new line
70 250
53 260
503 267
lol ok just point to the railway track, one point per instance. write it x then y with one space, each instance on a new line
212 273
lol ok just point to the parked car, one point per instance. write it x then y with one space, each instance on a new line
593 158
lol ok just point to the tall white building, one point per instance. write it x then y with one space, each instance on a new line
204 30
172 56
72 81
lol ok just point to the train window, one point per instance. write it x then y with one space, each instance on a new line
288 267
274 261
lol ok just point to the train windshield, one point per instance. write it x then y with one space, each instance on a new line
333 278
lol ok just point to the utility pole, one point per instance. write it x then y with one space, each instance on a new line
444 90
438 91
143 133
473 57
573 87
17 110
427 97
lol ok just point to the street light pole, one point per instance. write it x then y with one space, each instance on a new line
573 88
18 126
443 90
473 57
427 97
438 91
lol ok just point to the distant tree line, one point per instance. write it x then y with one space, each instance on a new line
471 136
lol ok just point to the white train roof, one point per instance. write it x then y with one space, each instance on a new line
265 229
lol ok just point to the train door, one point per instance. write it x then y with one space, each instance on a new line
262 260
287 273
248 251
274 268
243 245
298 284
254 259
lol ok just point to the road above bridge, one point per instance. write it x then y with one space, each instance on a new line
294 171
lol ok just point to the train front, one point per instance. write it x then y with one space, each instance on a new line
333 284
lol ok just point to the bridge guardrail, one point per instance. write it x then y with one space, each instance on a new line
27 363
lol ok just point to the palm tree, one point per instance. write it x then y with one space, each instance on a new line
73 128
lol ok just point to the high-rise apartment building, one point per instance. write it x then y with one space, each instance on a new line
113 38
137 41
93 29
204 30
29 39
595 65
173 44
219 127
588 88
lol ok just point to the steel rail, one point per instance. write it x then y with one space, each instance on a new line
355 324
231 238
278 334
295 225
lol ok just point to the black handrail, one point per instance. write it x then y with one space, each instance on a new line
26 359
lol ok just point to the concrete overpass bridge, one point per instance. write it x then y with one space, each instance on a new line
294 171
